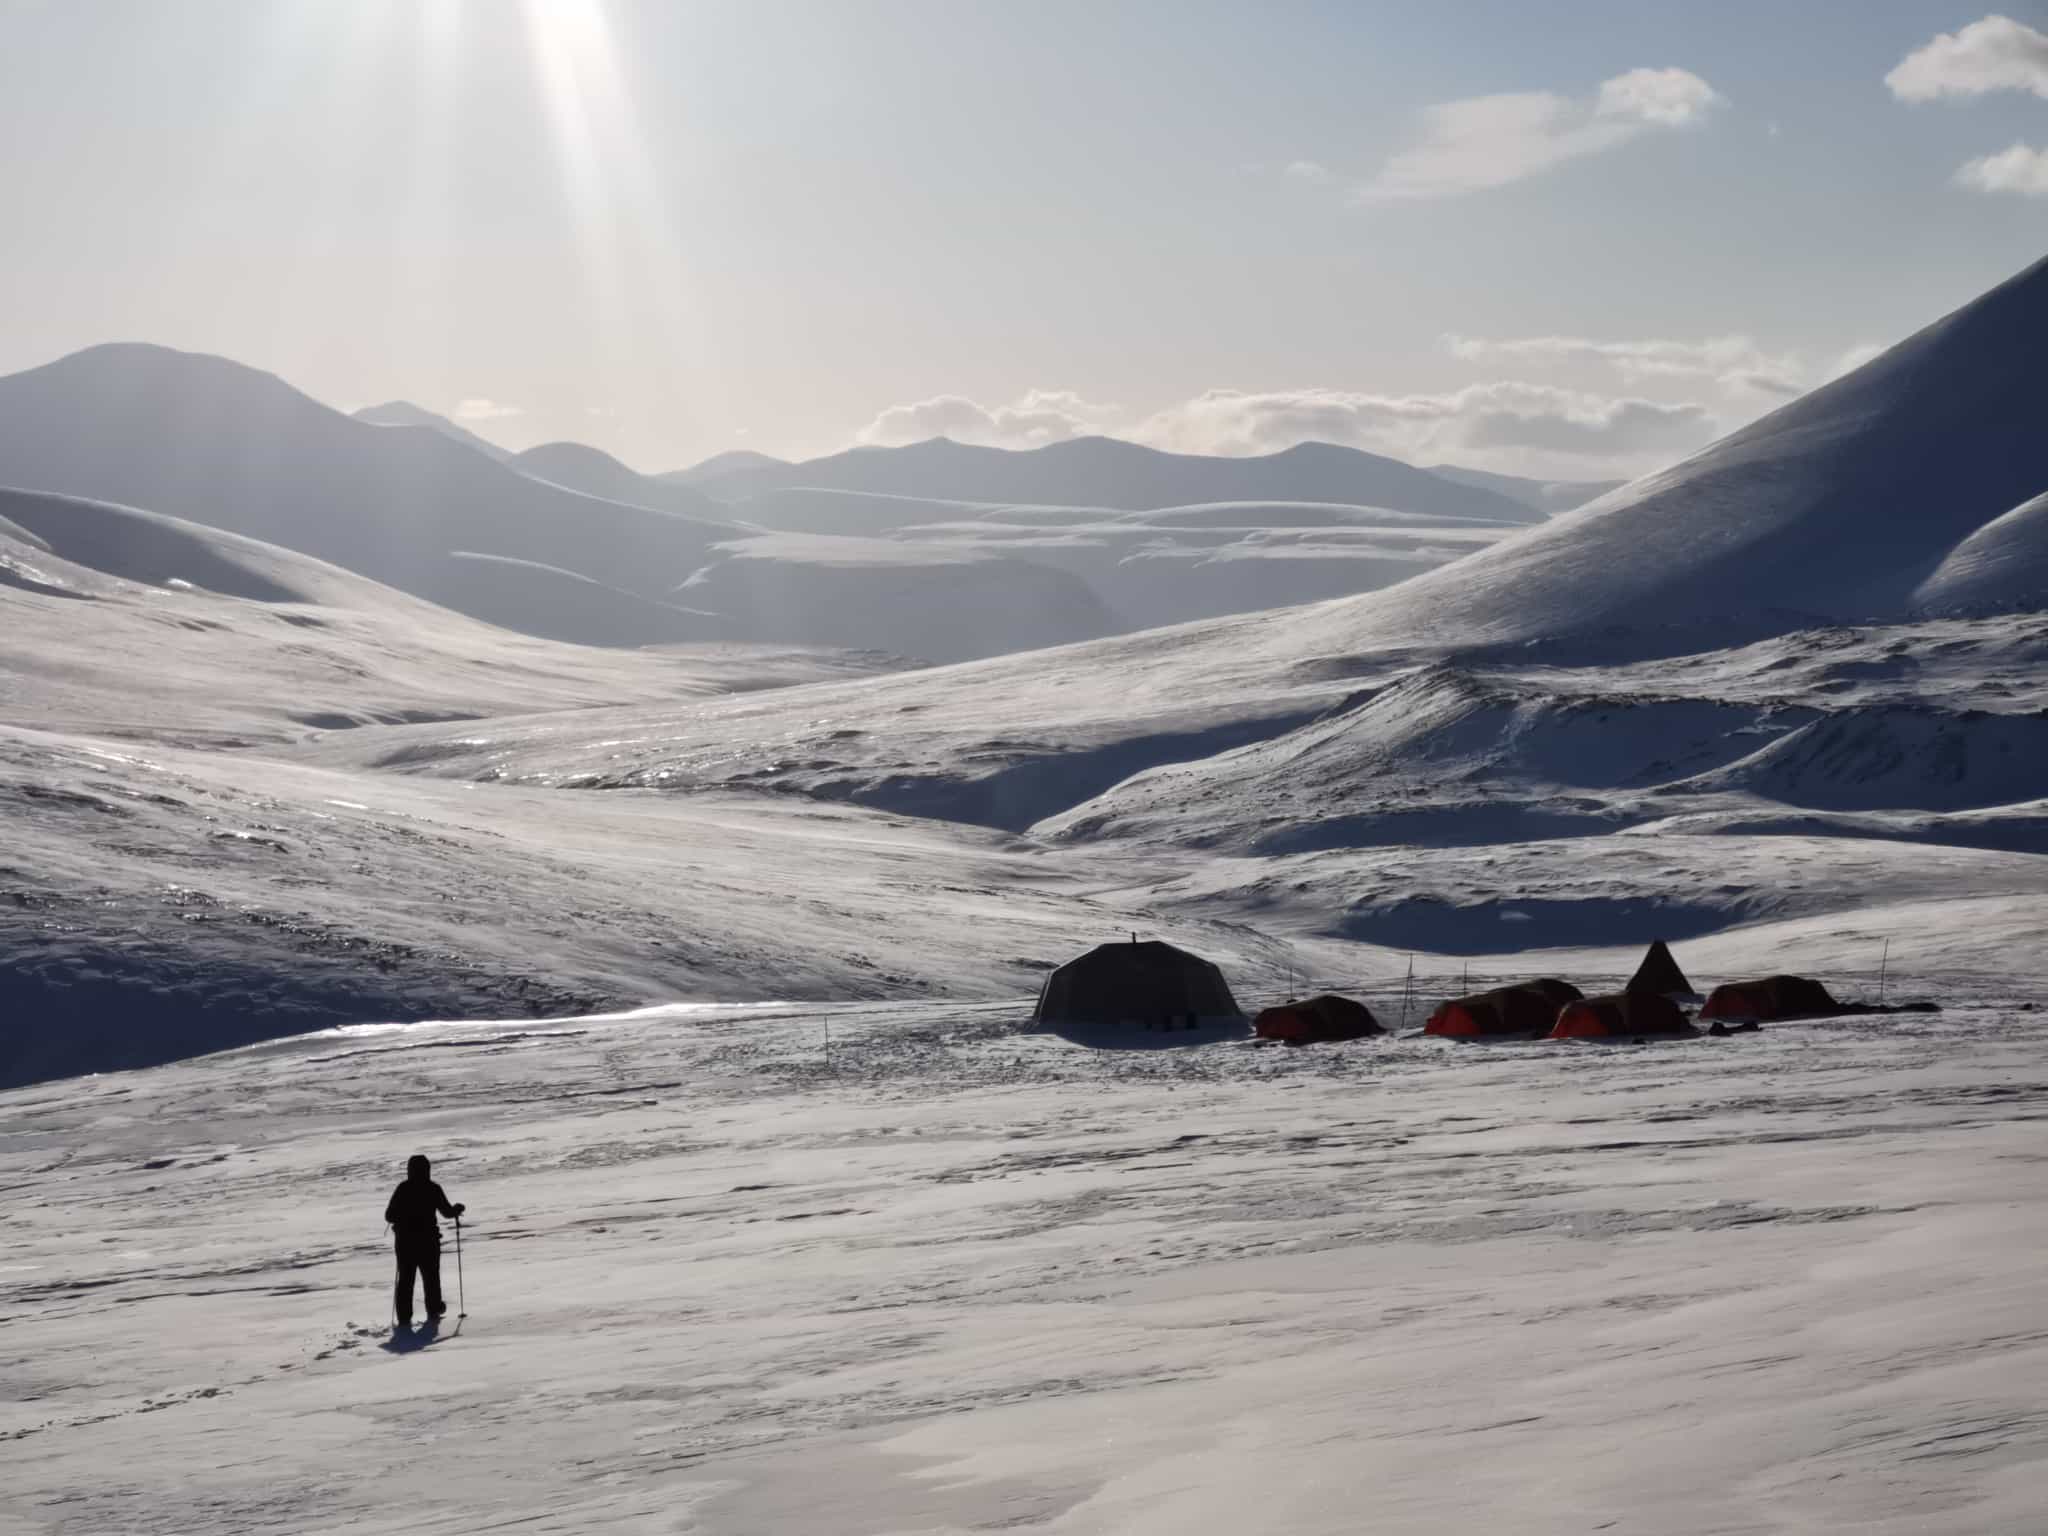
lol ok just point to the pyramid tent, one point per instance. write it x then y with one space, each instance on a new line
1659 974
1528 1009
1139 985
1771 997
1327 1017
1623 1015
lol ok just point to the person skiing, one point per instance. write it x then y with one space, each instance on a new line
417 1237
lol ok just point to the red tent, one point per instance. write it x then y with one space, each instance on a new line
1770 997
1528 1009
1318 1018
1621 1015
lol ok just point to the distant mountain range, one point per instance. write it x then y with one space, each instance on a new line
227 446
1909 486
1107 472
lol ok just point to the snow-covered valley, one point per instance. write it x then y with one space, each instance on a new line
781 1219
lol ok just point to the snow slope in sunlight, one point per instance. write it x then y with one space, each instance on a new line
902 1269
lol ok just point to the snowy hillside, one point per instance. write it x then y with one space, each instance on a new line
223 445
1836 507
2001 567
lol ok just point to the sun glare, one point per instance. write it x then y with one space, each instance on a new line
626 238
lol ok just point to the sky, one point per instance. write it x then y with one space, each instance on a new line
1573 240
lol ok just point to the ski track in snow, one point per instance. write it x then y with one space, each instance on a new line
953 1278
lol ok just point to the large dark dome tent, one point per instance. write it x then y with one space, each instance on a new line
1141 985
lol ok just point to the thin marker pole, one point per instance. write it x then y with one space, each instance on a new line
1883 965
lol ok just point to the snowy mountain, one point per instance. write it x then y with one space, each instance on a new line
1545 496
1836 507
1106 472
2001 567
220 444
403 413
594 472
719 465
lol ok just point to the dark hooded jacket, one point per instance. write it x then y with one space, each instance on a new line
414 1205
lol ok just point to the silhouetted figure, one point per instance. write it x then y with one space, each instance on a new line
417 1237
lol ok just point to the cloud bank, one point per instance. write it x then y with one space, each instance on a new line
1038 417
1489 141
1525 427
1732 362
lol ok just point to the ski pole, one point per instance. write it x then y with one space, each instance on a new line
461 1292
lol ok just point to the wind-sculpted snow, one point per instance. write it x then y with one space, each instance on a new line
901 1268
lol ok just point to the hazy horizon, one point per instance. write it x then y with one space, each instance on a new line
672 232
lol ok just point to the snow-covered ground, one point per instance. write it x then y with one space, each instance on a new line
837 1248
903 1269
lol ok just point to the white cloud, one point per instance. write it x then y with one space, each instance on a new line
479 409
1489 141
2021 169
1995 54
1309 171
1479 420
1518 427
1734 362
1037 417
1670 98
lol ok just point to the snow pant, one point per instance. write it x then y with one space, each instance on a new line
421 1255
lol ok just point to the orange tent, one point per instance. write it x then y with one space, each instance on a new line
1621 1015
1528 1009
1771 997
1318 1018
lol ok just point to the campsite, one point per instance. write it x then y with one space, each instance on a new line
1153 994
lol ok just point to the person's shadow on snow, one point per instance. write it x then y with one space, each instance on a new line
404 1341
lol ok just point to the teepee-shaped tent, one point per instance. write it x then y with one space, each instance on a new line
1659 974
